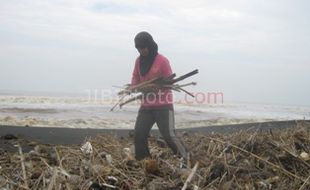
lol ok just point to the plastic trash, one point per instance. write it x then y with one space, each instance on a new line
87 148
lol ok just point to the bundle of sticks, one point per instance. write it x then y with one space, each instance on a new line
154 85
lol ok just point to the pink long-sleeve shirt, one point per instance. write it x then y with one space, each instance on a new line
160 68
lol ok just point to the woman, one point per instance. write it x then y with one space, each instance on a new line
156 107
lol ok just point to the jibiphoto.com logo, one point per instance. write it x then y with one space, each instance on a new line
160 96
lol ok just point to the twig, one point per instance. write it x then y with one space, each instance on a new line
190 176
303 185
188 84
58 157
131 100
108 185
118 102
52 181
135 87
45 163
185 76
175 89
186 92
22 159
36 184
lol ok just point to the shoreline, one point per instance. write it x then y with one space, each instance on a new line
76 136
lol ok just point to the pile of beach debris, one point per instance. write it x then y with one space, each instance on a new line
275 159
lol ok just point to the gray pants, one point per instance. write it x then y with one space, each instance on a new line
164 118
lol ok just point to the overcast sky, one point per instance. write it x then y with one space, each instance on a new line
252 51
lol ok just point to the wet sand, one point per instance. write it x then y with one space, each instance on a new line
75 136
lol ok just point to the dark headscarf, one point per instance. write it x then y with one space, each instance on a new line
142 40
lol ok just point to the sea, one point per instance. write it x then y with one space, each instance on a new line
44 109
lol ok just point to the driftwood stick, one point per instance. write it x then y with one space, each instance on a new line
131 100
135 87
185 76
124 91
118 102
52 181
186 92
190 176
187 84
36 184
171 77
58 157
132 88
177 85
108 185
303 185
22 159
176 89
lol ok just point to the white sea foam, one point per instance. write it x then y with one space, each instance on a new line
79 112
